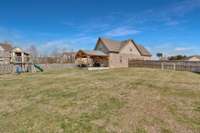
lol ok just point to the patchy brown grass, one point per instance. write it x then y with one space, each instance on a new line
118 100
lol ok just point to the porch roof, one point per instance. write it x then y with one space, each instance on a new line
92 53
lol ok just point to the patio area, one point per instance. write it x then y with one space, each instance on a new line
91 59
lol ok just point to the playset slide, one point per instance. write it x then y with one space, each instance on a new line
39 67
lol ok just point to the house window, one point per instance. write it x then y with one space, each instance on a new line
130 49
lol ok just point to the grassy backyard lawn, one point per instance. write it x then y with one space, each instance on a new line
119 100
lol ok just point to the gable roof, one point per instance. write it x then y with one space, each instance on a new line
112 46
116 46
6 46
143 51
197 56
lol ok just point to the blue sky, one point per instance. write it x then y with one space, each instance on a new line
168 26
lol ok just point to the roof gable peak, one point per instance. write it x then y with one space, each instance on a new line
117 46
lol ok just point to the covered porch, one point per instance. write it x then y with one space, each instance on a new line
91 59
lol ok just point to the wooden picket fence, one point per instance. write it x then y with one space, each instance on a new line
6 68
167 65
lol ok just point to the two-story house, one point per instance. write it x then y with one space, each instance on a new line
113 53
5 53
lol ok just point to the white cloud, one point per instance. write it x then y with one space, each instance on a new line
67 44
184 7
122 31
85 33
172 48
84 39
54 45
170 14
182 49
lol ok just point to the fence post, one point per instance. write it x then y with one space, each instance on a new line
162 66
13 68
174 66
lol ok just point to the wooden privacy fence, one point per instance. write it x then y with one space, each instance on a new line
6 68
168 65
57 66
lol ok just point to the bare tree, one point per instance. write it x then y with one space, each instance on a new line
55 55
63 50
34 53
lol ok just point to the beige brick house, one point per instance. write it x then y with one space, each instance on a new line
113 53
193 58
68 57
5 53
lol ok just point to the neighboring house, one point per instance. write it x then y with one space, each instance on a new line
193 58
68 57
5 53
113 54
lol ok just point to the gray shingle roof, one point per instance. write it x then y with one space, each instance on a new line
94 53
197 56
116 46
113 46
143 51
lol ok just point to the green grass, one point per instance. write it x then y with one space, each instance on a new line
118 100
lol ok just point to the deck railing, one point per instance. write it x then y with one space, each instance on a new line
18 59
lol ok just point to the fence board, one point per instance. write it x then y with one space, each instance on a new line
57 66
6 68
168 65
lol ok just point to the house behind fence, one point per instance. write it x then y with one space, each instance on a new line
5 53
168 65
112 53
193 58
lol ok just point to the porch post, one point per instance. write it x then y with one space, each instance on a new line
88 60
22 57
